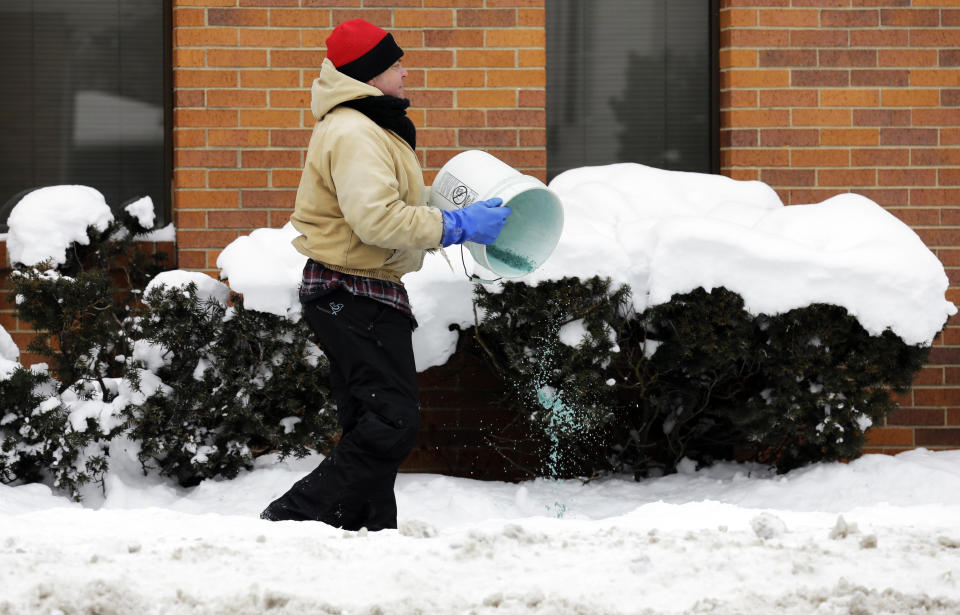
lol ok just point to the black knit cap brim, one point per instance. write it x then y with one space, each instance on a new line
375 61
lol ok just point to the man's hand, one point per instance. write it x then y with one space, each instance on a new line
478 222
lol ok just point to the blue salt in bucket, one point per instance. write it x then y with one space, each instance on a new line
533 228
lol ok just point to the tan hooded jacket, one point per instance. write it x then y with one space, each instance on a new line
361 205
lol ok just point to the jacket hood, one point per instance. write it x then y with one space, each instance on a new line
333 87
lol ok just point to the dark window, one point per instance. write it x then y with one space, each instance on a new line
631 81
84 98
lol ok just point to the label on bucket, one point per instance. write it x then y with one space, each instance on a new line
454 190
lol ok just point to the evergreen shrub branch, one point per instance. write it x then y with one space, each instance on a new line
697 377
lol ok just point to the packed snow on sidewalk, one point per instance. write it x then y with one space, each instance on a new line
878 535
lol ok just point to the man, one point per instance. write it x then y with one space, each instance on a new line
361 212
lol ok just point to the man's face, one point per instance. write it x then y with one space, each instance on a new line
390 81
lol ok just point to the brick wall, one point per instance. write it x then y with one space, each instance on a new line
242 74
820 97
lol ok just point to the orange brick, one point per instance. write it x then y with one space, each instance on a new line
911 97
191 259
298 138
936 117
456 118
738 58
846 177
738 98
791 18
204 37
238 138
745 37
889 436
730 157
742 174
821 117
516 117
236 98
486 98
279 217
188 98
190 218
486 17
269 117
298 99
909 17
237 17
455 78
436 137
755 117
945 77
188 178
204 117
431 98
487 137
516 37
453 38
517 78
185 78
268 198
299 18
736 17
423 18
850 136
183 137
846 18
315 37
204 199
820 157
269 159
486 58
282 57
531 57
849 98
238 219
237 179
270 78
236 57
741 78
286 178
204 158
188 17
428 57
793 97
205 239
189 57
269 38
531 17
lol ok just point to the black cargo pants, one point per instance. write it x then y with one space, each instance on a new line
374 385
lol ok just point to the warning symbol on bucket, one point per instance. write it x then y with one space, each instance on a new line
454 190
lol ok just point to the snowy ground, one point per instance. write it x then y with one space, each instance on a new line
879 535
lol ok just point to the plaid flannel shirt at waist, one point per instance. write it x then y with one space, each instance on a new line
319 280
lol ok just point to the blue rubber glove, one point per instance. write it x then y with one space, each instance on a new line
478 222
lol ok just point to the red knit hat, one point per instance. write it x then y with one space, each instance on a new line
362 50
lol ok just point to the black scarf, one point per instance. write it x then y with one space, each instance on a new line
388 112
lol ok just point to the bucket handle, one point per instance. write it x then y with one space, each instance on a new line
470 276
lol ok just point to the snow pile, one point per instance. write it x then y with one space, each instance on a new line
46 221
666 232
266 269
727 540
9 355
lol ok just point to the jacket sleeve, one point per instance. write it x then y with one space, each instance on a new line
364 174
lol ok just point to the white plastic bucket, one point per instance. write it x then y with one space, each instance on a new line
533 228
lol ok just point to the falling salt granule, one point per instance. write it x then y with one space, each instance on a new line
510 258
611 382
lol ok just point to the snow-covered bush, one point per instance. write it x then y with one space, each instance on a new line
201 387
605 388
237 383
